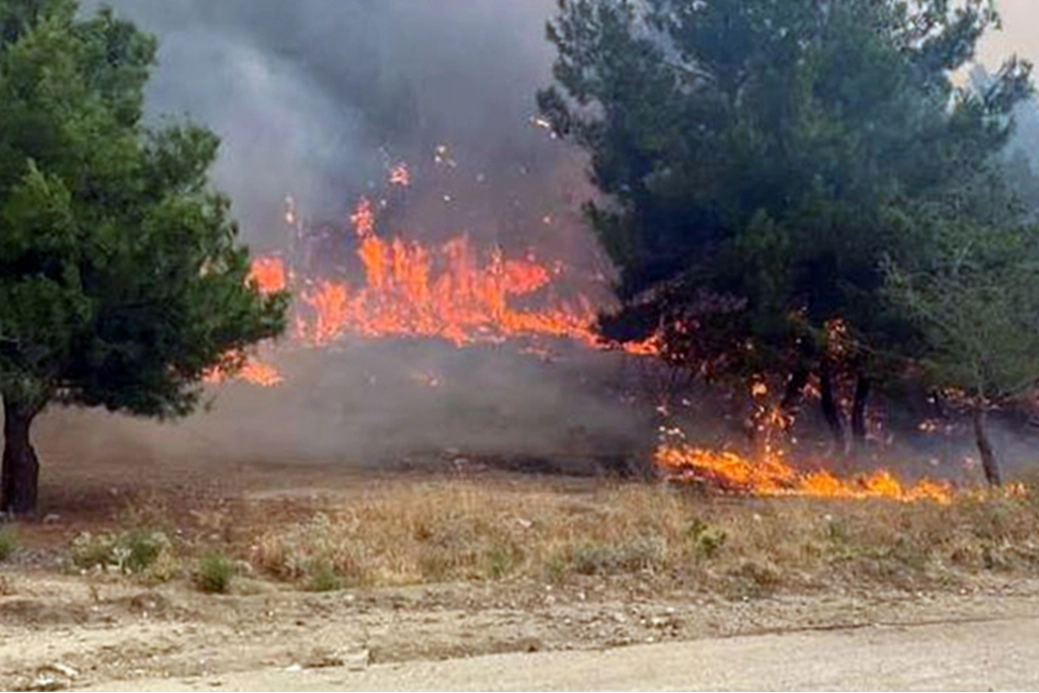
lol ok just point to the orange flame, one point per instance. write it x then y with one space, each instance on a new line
253 371
262 374
448 292
772 476
451 292
767 473
270 274
650 346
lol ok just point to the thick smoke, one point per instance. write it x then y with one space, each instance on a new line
315 99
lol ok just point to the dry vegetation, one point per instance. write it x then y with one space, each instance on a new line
440 532
195 580
408 532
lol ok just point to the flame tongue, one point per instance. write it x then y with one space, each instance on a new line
769 474
270 275
253 371
446 292
772 476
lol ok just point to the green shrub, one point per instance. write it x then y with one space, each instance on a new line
556 567
8 543
324 578
706 541
131 553
500 562
142 549
89 551
215 573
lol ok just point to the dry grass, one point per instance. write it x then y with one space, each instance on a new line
436 532
410 531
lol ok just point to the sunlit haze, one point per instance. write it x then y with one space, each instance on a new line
1020 18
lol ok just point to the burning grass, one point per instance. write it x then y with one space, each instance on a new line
772 476
440 532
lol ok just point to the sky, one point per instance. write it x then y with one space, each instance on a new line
1019 34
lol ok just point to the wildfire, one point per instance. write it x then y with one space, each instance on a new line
260 373
768 473
458 293
772 476
270 274
650 346
450 291
254 372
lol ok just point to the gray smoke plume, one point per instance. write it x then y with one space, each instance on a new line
316 99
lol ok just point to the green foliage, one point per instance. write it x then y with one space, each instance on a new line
774 153
706 541
121 277
8 543
215 573
322 577
975 297
132 553
500 562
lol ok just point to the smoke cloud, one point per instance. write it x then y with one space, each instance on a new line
315 98
318 99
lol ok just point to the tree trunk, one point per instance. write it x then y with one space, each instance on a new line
858 411
939 409
988 455
19 479
831 411
795 388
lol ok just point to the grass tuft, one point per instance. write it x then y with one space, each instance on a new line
322 577
215 573
134 552
9 543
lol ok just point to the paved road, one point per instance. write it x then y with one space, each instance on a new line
942 656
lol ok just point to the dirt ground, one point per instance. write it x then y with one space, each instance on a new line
71 633
972 655
62 628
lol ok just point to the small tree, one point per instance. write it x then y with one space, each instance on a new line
976 301
121 278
